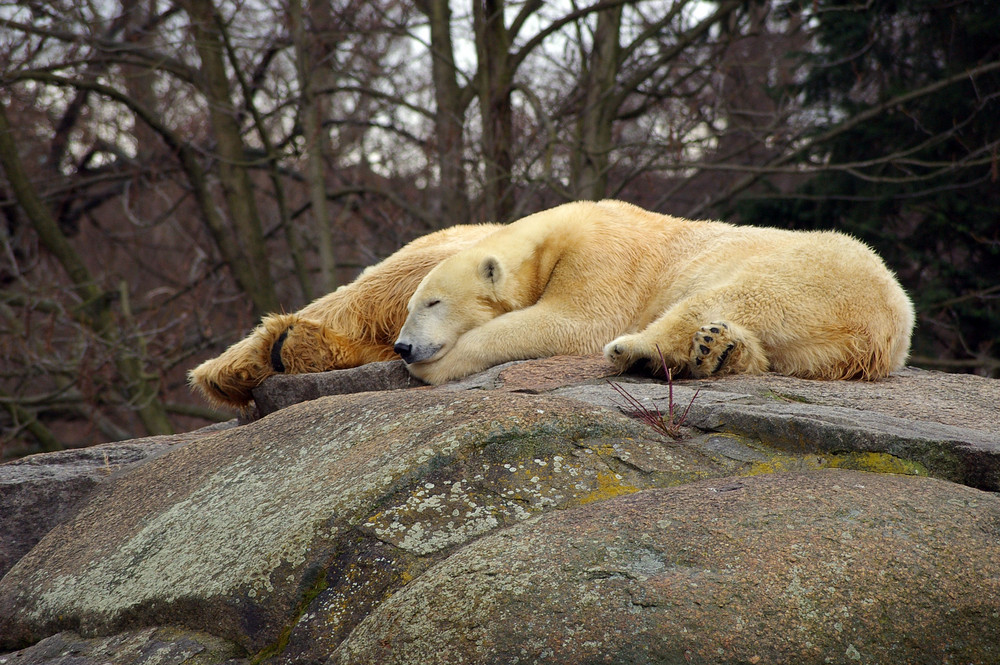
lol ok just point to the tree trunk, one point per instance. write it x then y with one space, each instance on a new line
590 160
316 142
494 78
234 175
449 115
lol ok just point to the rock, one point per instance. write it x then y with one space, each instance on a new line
537 376
948 424
830 566
283 390
40 491
244 525
151 646
519 515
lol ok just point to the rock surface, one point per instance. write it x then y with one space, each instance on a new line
40 491
829 566
519 516
948 423
149 646
283 390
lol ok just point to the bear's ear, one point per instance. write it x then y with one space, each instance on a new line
490 270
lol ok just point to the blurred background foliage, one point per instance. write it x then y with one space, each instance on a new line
917 178
169 171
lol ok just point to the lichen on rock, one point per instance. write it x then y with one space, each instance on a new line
468 523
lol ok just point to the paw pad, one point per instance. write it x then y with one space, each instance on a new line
711 348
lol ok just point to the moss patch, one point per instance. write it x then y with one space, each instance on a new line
318 586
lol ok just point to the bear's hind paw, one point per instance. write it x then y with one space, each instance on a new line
719 348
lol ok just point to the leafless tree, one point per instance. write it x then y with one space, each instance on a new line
172 171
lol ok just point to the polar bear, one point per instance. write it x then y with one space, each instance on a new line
354 325
710 297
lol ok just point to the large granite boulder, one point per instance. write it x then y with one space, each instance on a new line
829 566
340 500
520 516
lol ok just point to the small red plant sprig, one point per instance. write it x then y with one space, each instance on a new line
669 424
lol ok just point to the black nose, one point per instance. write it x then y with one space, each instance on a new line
404 350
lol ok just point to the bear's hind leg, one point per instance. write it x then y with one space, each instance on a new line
282 343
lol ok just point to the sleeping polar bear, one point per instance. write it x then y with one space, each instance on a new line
711 297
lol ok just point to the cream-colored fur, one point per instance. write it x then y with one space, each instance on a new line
711 297
354 325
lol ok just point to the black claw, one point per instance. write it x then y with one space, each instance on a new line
714 329
276 363
704 349
723 358
707 338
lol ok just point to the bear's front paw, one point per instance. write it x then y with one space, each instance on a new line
447 368
623 352
638 352
427 372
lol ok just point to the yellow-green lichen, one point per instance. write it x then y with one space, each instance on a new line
608 485
858 461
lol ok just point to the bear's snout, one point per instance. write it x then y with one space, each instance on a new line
414 352
404 350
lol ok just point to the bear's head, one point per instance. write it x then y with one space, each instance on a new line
461 293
